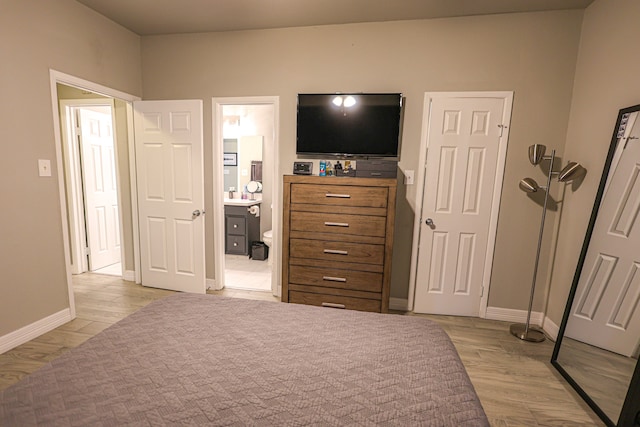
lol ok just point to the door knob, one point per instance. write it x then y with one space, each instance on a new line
429 222
195 214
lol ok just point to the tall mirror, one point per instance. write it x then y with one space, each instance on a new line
599 339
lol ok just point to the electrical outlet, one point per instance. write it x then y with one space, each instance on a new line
408 177
44 167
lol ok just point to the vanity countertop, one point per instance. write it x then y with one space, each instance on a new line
241 202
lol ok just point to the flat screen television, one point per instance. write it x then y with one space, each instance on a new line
358 125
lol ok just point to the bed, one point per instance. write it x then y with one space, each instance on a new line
209 360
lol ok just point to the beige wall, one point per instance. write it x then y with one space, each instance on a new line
34 37
607 79
532 54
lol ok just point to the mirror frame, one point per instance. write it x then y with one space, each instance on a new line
630 414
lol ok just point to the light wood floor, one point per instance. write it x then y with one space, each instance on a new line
514 379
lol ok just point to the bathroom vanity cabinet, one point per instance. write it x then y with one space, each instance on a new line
338 241
241 227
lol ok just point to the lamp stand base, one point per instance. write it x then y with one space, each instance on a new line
533 334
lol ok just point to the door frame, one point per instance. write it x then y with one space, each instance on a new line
56 77
74 181
218 192
507 96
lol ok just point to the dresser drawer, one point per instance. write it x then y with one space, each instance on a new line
341 195
236 225
334 301
336 251
338 223
236 245
335 278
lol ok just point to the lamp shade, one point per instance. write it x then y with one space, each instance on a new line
536 153
528 185
570 172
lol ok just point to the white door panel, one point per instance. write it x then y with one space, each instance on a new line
100 189
169 142
464 140
606 309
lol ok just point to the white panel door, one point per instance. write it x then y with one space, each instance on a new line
169 167
606 309
100 188
463 145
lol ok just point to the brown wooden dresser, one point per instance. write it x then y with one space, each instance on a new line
337 241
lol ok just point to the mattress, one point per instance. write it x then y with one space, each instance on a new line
209 360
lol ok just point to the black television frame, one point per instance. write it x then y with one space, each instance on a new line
350 154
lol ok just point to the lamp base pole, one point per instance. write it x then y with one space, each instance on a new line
519 330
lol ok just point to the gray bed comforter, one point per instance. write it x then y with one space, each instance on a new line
209 360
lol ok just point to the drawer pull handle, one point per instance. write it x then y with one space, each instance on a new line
342 196
376 173
334 279
333 305
336 252
336 224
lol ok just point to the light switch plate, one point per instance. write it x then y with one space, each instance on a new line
44 167
408 177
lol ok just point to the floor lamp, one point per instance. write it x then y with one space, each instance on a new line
573 170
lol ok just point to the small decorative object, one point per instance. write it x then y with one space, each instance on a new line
329 168
302 168
323 168
254 187
338 168
231 191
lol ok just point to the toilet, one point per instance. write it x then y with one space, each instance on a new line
267 238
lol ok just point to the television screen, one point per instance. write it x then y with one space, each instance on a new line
349 124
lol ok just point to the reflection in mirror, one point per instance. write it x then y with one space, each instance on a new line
230 165
242 162
249 152
598 343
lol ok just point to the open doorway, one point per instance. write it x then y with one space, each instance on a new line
245 192
91 182
94 142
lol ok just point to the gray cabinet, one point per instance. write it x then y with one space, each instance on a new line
241 228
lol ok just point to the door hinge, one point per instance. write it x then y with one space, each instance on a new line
481 292
87 251
502 128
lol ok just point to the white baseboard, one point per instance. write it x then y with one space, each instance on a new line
34 330
511 315
129 276
399 304
550 328
211 284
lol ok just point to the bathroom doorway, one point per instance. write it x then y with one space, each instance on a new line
245 189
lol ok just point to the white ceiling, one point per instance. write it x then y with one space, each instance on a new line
148 17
